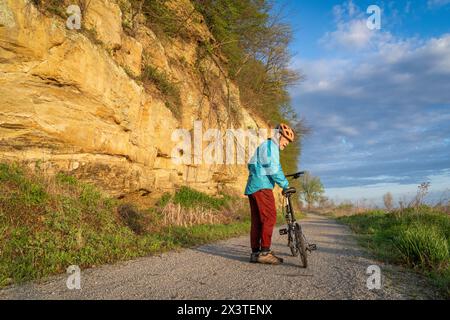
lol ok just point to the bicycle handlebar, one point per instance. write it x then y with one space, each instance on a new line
296 175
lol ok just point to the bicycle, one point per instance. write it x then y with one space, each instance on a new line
297 242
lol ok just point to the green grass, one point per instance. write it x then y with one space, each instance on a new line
48 224
189 198
418 238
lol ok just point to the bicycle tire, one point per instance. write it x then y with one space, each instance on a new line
292 243
301 245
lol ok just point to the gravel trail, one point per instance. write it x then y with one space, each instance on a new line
337 270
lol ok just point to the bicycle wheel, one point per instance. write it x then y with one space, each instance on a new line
292 242
301 245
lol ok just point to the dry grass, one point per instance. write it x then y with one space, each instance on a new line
176 214
343 210
443 208
347 210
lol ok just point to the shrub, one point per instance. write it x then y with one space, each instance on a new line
50 6
163 19
132 218
58 7
169 90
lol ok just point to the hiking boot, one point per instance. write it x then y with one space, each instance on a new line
269 258
254 257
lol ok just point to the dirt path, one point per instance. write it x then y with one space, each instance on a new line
221 270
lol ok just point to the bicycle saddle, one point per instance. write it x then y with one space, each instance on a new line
289 191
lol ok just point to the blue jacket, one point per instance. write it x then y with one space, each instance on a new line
265 169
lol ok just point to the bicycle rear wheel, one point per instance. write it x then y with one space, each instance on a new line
301 245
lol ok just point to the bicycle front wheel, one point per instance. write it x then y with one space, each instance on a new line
292 242
301 245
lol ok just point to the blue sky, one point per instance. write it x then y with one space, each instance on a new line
378 101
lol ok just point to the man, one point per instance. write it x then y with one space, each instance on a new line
264 172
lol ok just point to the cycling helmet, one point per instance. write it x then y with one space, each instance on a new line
286 131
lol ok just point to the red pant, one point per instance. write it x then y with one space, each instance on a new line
264 216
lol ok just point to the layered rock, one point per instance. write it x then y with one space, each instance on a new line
70 100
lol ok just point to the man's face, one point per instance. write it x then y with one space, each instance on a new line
283 142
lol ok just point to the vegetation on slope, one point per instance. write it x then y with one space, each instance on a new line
48 224
250 43
255 42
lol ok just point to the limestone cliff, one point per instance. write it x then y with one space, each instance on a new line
70 99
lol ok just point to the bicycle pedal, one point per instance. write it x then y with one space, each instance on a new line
312 247
283 231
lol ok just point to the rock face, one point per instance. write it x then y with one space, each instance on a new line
70 100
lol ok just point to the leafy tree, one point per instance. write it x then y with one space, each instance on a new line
312 189
255 43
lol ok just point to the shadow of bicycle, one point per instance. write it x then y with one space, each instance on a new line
241 253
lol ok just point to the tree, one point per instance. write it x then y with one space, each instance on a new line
388 201
325 202
254 39
312 189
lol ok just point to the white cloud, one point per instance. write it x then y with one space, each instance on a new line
345 11
439 187
379 109
440 48
338 124
352 32
322 74
382 110
437 3
350 35
400 72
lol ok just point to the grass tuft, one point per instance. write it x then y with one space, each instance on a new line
189 198
415 237
424 247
